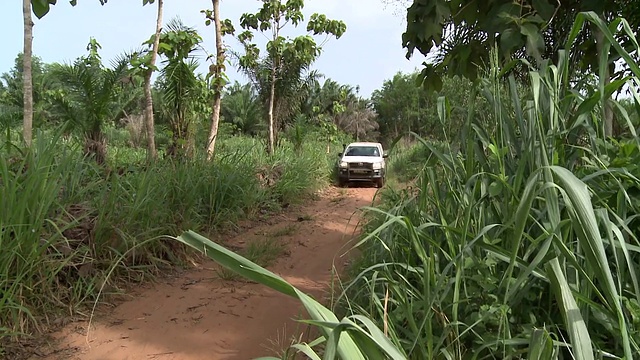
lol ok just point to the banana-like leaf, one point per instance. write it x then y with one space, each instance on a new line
583 217
345 347
578 333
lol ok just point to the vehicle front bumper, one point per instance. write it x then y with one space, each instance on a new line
346 174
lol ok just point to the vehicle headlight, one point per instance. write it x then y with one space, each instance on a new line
343 164
377 166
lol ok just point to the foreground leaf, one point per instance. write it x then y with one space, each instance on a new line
346 347
578 333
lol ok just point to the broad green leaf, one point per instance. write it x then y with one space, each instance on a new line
578 333
541 346
41 7
346 348
307 350
585 224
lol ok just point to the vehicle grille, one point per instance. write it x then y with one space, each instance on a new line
355 165
360 170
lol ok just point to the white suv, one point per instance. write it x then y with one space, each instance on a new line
362 161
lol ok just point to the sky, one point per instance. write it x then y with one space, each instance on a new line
367 54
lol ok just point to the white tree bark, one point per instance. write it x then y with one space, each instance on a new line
217 96
27 120
152 153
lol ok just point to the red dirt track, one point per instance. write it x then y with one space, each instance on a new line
198 316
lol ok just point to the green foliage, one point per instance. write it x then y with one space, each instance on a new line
409 160
274 15
464 31
521 243
185 96
402 106
32 224
91 96
279 75
177 41
338 108
226 25
67 222
41 8
292 88
11 94
242 108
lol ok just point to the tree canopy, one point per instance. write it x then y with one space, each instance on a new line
458 35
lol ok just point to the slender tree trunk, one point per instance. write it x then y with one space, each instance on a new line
95 146
272 97
148 111
217 96
27 120
272 92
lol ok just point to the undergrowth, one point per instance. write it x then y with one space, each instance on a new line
65 221
521 243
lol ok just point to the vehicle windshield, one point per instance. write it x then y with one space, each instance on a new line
362 151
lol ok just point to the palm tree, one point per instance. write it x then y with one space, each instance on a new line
92 96
358 118
294 82
181 88
12 97
241 107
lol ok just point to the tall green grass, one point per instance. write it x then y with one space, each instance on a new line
407 161
66 222
31 185
523 243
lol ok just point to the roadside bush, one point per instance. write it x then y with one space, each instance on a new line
409 160
66 222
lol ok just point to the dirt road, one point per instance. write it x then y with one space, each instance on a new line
199 316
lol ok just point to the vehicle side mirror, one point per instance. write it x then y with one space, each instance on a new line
339 154
385 155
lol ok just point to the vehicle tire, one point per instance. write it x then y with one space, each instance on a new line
341 183
380 182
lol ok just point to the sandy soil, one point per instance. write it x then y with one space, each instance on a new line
197 315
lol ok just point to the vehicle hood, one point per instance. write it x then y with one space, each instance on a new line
363 159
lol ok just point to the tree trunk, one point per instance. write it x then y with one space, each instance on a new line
95 146
272 92
152 153
272 96
217 96
27 120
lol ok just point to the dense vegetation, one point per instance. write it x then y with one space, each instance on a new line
518 238
86 207
511 232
